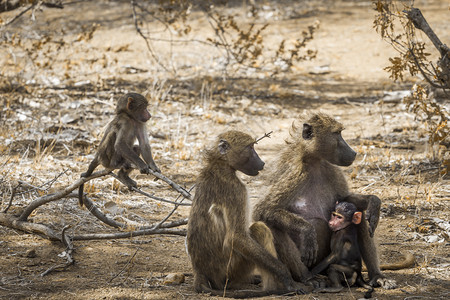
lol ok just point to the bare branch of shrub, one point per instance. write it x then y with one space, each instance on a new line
99 215
8 5
398 27
243 45
58 195
67 253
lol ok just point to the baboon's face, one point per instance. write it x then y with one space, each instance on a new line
328 143
248 161
238 148
342 155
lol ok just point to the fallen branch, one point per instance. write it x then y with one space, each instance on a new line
175 186
160 227
125 235
169 214
13 193
101 216
63 193
10 221
135 189
67 253
127 264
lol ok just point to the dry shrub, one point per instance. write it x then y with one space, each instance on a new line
397 22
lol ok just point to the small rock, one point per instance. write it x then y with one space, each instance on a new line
31 253
174 279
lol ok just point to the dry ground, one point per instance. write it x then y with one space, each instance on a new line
65 108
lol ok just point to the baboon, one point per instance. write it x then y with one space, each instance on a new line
223 247
117 149
344 261
303 193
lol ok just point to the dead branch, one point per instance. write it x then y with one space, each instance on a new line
13 193
135 189
419 21
8 5
67 253
10 221
125 235
139 31
126 265
101 216
170 214
60 194
175 186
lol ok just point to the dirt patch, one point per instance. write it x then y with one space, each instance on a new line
51 124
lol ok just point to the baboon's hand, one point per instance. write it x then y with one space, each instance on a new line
373 214
155 168
318 281
385 283
309 245
145 170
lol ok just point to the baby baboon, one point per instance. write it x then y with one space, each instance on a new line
303 193
344 261
117 150
223 247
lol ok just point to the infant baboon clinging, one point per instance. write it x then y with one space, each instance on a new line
303 193
117 150
223 247
344 261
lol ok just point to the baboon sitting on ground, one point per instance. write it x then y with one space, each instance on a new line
223 247
303 193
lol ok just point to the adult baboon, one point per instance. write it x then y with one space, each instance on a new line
303 193
223 247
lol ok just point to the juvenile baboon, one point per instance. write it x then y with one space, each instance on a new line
223 247
303 193
344 261
117 149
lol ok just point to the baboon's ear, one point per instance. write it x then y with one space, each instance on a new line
357 217
307 133
130 103
223 146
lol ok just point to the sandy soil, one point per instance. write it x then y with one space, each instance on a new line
52 120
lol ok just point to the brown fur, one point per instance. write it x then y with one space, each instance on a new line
303 192
117 150
223 247
344 261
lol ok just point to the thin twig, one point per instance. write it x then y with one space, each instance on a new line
424 74
135 189
266 135
101 216
13 193
67 253
171 213
18 15
126 265
139 31
49 183
174 185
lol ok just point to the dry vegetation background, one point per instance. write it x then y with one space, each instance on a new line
63 69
